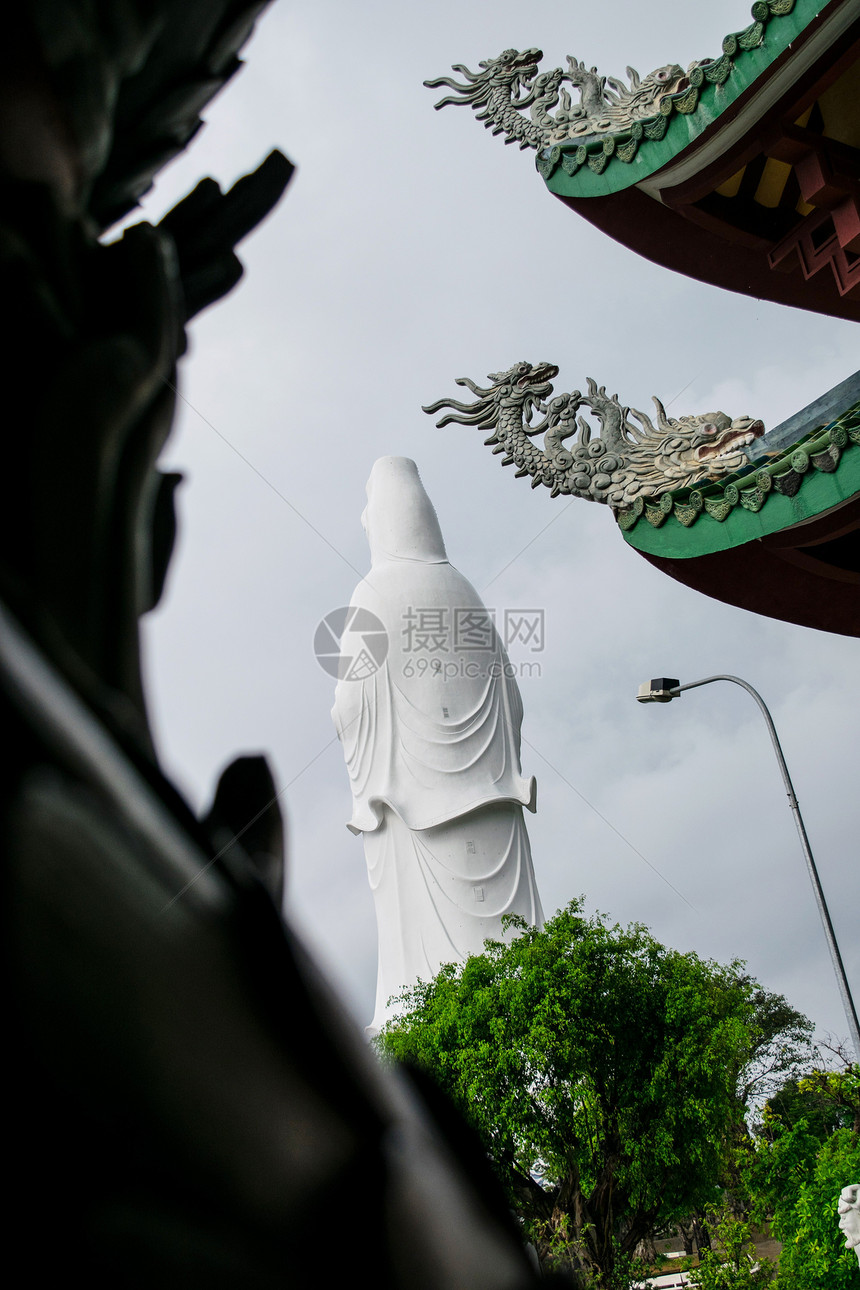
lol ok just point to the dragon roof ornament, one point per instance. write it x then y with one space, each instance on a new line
509 84
535 109
631 458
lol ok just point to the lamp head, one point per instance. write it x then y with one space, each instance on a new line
658 690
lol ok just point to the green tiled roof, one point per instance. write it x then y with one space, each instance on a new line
615 161
820 471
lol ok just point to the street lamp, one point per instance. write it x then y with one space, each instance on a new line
662 690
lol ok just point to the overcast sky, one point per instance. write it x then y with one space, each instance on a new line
412 247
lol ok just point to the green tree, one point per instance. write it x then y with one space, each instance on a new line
839 1088
817 1098
780 1049
797 1172
600 1070
733 1265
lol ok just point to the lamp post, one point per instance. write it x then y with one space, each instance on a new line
662 690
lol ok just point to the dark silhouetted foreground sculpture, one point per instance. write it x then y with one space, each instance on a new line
188 1105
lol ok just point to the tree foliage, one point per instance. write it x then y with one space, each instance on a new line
822 1099
601 1070
733 1264
780 1048
808 1150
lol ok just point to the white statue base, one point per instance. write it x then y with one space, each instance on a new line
440 893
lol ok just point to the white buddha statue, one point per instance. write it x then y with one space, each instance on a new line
849 1216
431 738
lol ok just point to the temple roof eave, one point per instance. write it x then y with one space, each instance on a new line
810 479
728 132
711 116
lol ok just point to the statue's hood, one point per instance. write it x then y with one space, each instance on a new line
400 520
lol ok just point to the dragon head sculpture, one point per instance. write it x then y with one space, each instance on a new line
630 457
501 90
691 449
511 73
514 393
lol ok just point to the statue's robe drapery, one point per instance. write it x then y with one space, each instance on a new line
432 745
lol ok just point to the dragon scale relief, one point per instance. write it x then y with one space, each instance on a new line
631 457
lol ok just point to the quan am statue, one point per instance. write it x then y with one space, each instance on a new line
849 1216
431 738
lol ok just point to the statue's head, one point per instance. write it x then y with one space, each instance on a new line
849 1216
399 519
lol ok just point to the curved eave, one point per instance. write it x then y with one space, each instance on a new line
821 493
657 203
666 238
777 559
724 114
778 581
